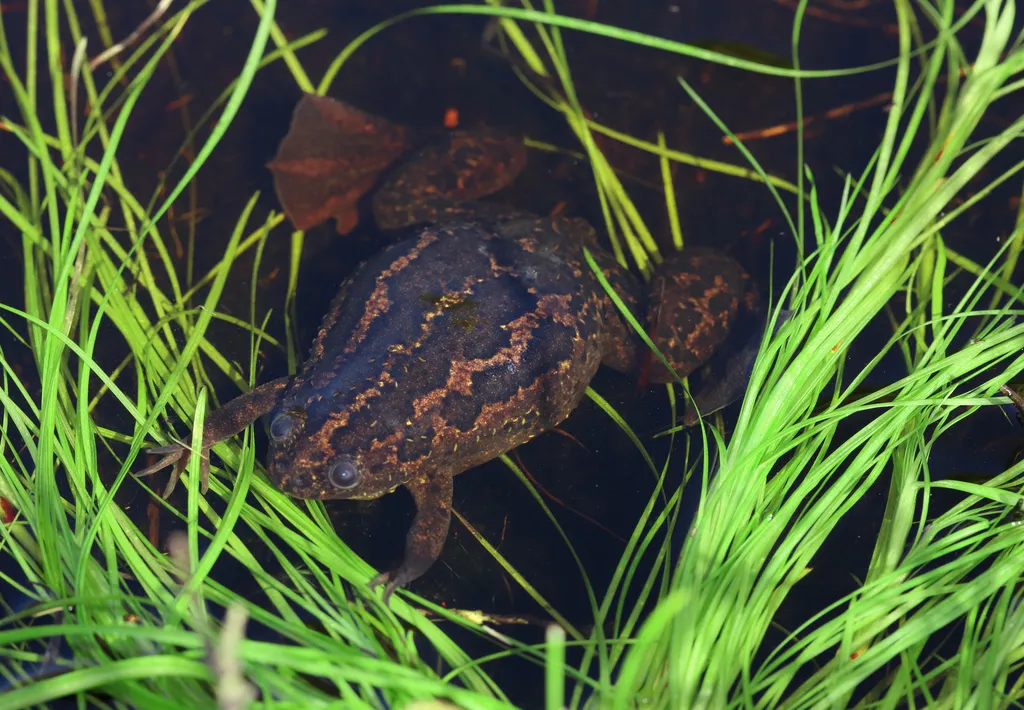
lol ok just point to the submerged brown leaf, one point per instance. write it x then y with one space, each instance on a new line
332 156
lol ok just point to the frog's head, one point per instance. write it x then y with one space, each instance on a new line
322 458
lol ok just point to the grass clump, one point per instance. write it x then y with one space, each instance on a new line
124 610
146 629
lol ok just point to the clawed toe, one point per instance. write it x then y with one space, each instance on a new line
177 455
391 581
174 452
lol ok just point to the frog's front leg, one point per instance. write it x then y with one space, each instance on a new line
222 424
433 496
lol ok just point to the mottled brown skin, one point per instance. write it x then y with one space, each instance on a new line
470 337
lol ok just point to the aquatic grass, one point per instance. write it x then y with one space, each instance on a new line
797 501
928 263
84 542
787 474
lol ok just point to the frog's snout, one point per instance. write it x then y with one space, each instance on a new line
299 485
292 484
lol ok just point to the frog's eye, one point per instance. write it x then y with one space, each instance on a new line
282 428
343 474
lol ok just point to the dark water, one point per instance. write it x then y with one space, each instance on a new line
413 73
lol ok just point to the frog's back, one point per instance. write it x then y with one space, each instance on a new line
452 346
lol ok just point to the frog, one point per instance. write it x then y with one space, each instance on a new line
476 329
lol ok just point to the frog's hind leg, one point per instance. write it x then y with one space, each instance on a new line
697 300
442 180
694 299
332 156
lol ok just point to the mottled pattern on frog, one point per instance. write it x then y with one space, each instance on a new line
442 180
456 346
707 289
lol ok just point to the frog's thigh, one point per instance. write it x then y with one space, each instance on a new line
440 180
695 296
